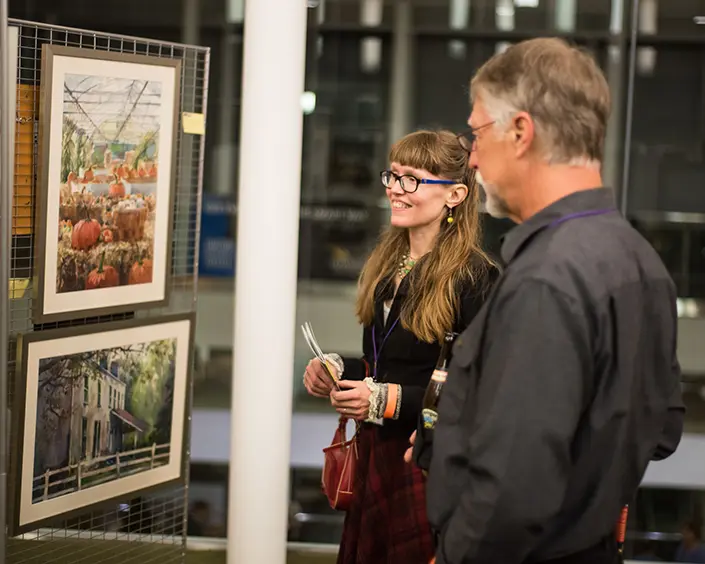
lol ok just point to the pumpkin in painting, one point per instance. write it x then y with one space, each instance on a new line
105 276
141 272
124 172
85 234
107 236
117 189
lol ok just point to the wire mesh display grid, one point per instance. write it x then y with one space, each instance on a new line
150 527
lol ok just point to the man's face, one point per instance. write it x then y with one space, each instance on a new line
494 203
490 159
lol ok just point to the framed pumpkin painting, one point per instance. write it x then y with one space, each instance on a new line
107 151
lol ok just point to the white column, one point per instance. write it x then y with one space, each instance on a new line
648 25
191 22
617 55
402 81
504 15
565 15
459 15
265 280
225 150
371 12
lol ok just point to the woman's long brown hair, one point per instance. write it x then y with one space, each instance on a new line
456 259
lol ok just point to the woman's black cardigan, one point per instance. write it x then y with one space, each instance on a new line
404 359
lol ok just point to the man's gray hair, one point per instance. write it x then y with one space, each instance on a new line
560 87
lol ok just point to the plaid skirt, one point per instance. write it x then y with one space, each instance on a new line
386 522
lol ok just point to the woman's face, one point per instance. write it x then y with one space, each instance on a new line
425 206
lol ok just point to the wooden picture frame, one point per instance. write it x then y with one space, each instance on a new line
100 412
106 183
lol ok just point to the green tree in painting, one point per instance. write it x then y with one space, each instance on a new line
162 427
147 392
68 148
146 368
76 149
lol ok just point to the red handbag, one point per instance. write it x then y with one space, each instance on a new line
339 466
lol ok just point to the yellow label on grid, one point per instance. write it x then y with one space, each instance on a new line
195 124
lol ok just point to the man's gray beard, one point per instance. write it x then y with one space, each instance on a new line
494 205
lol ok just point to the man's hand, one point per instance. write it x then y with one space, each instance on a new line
409 452
317 382
353 399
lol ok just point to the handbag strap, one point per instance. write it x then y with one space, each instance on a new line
343 427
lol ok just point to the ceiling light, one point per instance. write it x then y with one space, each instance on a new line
308 102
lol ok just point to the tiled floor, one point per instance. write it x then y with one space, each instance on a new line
114 552
294 558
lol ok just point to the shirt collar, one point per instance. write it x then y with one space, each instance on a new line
591 200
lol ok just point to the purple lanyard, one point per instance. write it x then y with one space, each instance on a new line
374 345
576 215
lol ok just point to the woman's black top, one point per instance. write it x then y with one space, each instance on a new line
402 358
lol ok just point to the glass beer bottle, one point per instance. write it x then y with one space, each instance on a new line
429 411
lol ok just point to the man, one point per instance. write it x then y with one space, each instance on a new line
566 384
691 548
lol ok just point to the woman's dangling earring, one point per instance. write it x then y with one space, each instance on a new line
449 219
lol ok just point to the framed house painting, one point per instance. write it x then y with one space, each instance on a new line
107 156
99 413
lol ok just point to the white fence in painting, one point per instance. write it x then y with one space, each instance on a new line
98 470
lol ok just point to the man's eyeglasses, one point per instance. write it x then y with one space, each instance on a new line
468 138
408 182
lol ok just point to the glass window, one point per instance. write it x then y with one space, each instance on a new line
672 18
657 520
667 164
368 13
342 200
442 72
84 437
208 497
567 16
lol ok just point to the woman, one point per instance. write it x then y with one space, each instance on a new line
427 276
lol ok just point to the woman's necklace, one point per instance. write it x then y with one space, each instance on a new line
406 264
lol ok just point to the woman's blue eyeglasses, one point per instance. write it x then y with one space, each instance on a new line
408 182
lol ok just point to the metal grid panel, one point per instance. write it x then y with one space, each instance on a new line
153 529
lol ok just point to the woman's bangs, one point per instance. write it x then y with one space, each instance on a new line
417 151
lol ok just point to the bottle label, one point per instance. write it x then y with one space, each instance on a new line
429 417
439 376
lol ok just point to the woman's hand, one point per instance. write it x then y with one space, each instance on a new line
353 399
316 380
408 455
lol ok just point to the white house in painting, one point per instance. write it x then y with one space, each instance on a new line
88 422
